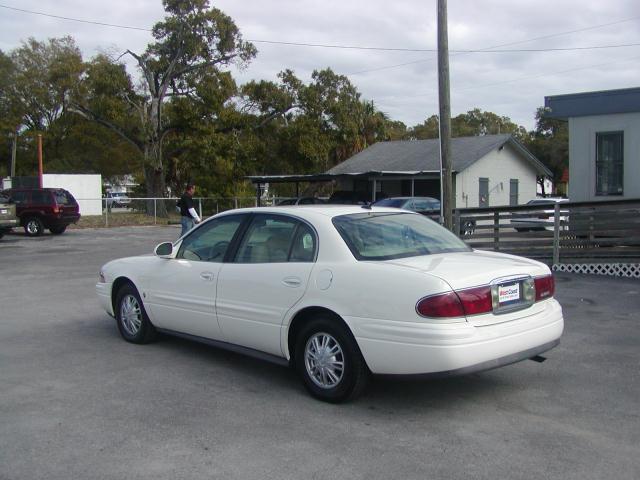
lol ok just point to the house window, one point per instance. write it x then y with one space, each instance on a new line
609 163
513 191
483 186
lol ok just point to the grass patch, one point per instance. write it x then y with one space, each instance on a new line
123 219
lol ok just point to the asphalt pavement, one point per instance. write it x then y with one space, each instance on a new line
77 402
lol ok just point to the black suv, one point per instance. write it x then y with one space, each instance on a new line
40 208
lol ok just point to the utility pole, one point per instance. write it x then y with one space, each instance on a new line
445 117
40 160
14 146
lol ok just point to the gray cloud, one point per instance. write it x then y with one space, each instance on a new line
510 84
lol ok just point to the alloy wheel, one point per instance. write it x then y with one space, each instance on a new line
324 360
131 314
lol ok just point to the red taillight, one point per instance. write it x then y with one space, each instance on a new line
440 306
476 300
545 287
456 304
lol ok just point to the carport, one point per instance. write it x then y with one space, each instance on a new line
410 183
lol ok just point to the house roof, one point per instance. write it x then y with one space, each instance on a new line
605 102
420 156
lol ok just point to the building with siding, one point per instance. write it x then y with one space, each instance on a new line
604 142
488 170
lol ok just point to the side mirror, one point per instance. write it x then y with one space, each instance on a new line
164 250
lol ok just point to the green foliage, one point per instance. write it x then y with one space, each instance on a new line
474 122
550 143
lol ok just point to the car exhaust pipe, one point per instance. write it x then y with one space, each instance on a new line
538 358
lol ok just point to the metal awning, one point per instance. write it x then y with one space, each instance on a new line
326 177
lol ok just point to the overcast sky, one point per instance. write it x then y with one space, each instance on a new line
401 84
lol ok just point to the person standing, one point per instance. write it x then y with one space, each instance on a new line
188 215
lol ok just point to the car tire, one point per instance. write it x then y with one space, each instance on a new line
58 230
468 228
131 317
329 361
33 227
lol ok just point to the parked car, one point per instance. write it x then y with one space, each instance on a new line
40 208
542 220
337 293
117 199
427 206
8 218
302 201
346 197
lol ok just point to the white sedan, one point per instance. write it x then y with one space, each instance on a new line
339 293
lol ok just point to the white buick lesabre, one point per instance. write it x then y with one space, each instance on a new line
338 292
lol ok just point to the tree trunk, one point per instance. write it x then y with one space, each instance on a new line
154 178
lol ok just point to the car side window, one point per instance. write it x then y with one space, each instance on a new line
304 245
63 197
19 197
210 242
274 239
41 197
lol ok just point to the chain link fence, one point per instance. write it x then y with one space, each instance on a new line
143 210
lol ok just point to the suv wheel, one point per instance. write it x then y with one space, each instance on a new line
33 227
58 230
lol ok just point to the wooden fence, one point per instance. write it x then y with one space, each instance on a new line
562 233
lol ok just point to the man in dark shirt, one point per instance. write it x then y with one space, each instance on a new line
188 215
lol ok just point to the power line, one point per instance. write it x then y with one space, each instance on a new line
529 77
519 42
74 19
349 47
561 72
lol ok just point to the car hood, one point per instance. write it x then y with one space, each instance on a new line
470 269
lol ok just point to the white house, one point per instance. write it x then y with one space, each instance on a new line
488 170
604 143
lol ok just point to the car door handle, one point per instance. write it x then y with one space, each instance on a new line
208 276
292 281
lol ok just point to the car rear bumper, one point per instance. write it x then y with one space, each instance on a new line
427 348
61 221
7 224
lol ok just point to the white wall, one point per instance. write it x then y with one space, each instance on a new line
499 166
87 190
582 155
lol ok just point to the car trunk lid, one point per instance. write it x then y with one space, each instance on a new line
471 269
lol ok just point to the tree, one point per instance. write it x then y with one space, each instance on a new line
45 74
550 143
192 44
36 79
473 123
428 129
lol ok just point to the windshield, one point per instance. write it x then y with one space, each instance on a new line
385 236
391 202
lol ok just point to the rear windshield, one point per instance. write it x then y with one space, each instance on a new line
385 236
64 198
